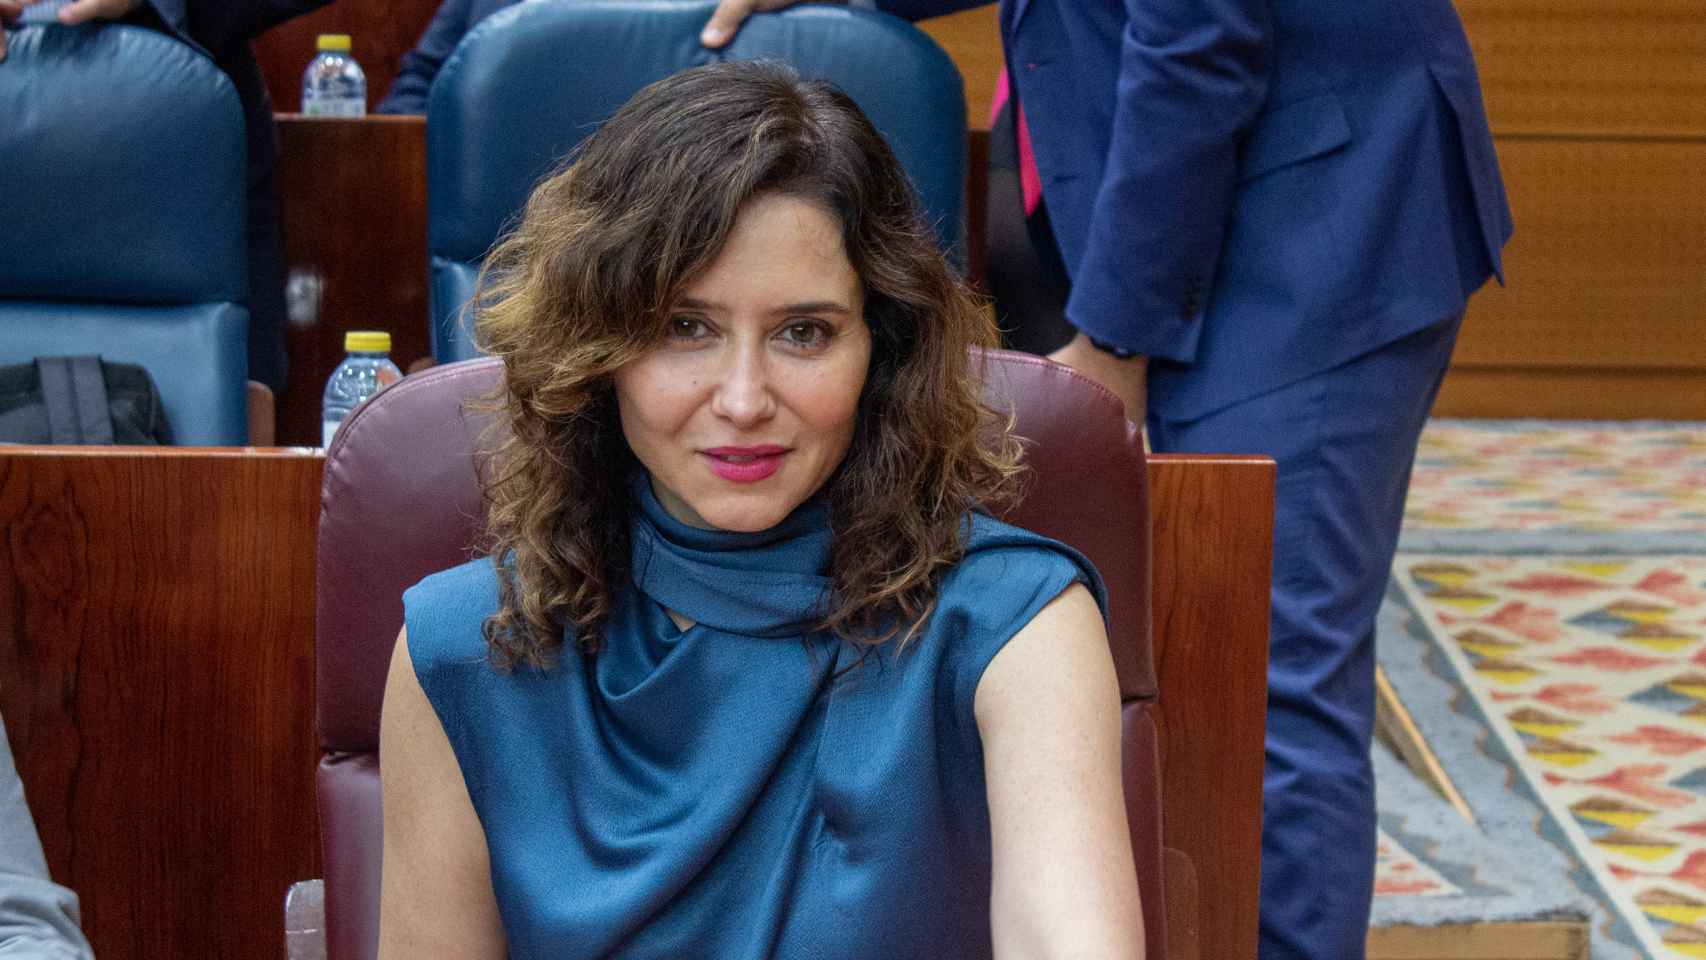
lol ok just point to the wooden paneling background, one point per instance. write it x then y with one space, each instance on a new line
1599 111
157 680
1591 68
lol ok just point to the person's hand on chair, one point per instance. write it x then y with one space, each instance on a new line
730 14
9 11
78 11
82 11
1127 379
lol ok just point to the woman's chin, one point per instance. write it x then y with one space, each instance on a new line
744 520
746 511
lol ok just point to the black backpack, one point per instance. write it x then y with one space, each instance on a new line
80 400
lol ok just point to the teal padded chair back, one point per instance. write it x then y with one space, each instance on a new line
122 162
531 81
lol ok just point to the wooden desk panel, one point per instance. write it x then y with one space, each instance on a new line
1213 556
156 677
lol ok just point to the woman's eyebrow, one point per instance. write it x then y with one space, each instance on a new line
815 306
804 306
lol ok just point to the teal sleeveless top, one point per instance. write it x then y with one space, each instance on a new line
739 789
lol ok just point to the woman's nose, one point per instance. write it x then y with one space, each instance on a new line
744 395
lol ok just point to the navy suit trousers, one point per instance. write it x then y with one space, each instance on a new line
1344 441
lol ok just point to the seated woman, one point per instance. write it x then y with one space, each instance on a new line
749 672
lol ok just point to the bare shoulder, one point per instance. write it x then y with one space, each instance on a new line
1064 648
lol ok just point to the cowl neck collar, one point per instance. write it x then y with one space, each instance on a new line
772 583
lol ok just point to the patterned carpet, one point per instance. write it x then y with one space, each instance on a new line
1508 476
1556 574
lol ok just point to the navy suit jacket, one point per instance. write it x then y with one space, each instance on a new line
408 93
1253 191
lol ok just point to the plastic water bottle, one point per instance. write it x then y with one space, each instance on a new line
366 370
333 85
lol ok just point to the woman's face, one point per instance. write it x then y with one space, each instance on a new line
749 404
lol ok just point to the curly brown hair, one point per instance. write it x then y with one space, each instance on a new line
584 285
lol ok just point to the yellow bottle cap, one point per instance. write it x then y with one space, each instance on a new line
367 341
332 41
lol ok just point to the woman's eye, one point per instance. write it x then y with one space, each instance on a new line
686 328
806 334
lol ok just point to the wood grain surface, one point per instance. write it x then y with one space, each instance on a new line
1531 940
1576 392
1608 265
1590 68
1213 549
973 39
156 678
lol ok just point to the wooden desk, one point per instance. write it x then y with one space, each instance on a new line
156 677
157 680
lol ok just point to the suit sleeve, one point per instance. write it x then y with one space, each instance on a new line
218 24
1192 79
925 9
408 93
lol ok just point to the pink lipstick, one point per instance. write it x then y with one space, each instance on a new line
744 464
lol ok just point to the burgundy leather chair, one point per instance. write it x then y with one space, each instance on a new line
400 501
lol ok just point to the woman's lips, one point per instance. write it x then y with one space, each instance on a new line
744 464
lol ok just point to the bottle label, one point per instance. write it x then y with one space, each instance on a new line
334 107
328 430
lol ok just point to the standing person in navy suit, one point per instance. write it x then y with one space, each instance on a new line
1273 213
223 29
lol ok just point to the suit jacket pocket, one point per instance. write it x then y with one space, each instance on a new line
1292 133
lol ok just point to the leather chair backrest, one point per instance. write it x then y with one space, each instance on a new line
122 157
531 81
394 509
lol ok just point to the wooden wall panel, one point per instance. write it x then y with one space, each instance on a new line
973 38
1608 265
1213 554
1577 392
156 677
1591 67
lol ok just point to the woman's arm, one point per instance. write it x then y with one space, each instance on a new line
435 891
1048 711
